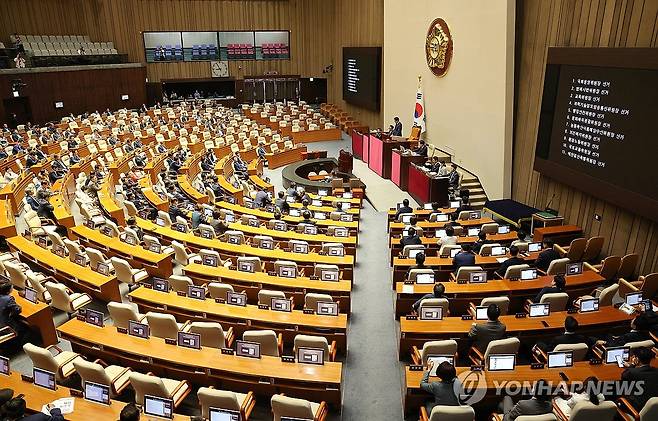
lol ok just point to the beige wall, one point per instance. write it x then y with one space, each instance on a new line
469 110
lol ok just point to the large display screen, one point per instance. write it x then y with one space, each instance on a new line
598 120
362 76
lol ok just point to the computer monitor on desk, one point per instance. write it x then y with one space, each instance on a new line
501 362
217 414
158 407
95 392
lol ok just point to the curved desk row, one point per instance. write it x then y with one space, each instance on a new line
78 278
251 283
167 235
206 366
290 324
517 291
417 332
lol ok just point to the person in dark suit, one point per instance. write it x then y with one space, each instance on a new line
639 331
464 258
512 261
482 240
405 208
411 239
397 127
547 255
10 317
641 370
558 284
493 329
15 409
570 336
421 150
539 404
129 412
438 292
453 177
175 211
453 221
442 390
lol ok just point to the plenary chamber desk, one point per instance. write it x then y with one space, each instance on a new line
206 366
426 189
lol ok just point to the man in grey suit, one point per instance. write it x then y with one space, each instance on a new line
442 390
539 404
483 333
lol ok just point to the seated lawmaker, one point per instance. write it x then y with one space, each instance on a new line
438 292
569 337
639 331
557 285
512 261
405 208
482 240
421 150
540 403
493 329
547 255
442 390
464 258
450 239
640 370
411 239
520 237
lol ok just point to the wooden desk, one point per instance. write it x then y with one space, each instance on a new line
517 291
417 332
266 216
443 265
36 397
40 318
285 157
156 264
290 324
282 237
414 397
7 220
398 227
561 234
76 277
207 366
432 246
345 263
420 214
251 283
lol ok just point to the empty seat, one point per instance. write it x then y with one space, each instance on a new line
117 378
61 363
145 384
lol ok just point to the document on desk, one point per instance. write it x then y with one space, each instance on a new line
501 259
407 289
66 405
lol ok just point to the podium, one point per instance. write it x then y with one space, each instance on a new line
426 189
400 163
380 151
357 144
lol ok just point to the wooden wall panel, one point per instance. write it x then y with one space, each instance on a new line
577 23
358 24
319 30
39 17
80 90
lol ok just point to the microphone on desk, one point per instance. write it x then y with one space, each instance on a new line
548 205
